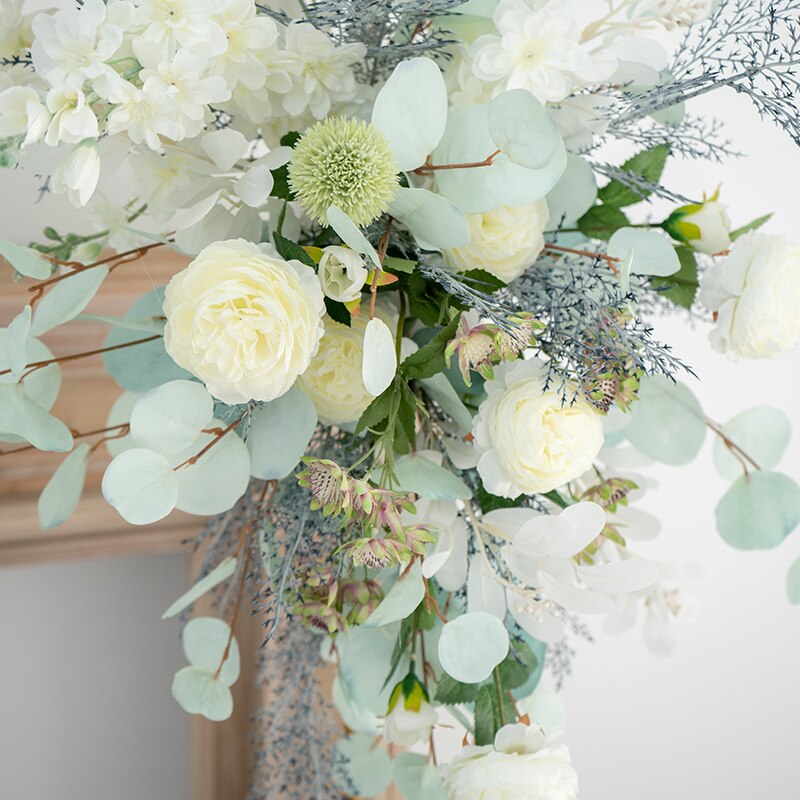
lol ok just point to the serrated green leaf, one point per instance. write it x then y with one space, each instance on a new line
292 251
649 165
430 360
338 312
487 281
379 409
751 226
681 287
451 692
518 666
493 709
602 222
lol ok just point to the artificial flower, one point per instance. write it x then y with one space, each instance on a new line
521 765
22 113
342 273
528 440
78 173
244 320
16 35
504 241
174 23
675 13
754 294
72 118
411 717
704 226
145 114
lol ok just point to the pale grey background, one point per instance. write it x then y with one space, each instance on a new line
83 645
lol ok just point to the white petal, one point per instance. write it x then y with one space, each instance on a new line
379 364
483 592
411 111
224 147
255 185
586 521
574 598
505 523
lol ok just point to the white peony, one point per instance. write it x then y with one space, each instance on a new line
504 241
342 273
538 49
333 378
520 766
755 294
244 320
527 439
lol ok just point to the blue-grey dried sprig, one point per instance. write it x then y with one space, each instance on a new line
750 46
639 184
17 61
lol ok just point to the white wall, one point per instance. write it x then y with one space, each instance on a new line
86 666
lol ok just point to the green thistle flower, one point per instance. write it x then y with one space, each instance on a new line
347 163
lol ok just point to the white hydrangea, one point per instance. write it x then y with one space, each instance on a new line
171 24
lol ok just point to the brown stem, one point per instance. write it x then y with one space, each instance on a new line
122 430
430 600
221 432
383 246
427 168
734 448
32 367
610 260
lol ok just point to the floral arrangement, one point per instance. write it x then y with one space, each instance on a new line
407 370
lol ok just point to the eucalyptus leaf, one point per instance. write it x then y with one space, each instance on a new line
793 583
350 234
171 417
144 324
472 645
20 416
218 575
667 423
441 391
279 434
26 261
432 219
121 413
60 496
401 600
141 485
418 474
19 330
573 195
416 778
652 253
379 363
66 299
763 433
205 642
759 511
522 129
200 691
367 765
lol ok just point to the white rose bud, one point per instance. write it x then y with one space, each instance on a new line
78 173
755 294
411 717
342 274
704 226
528 441
244 320
503 242
520 766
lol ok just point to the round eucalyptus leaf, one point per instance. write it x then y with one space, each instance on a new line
368 766
759 511
648 253
121 413
170 417
763 433
60 496
521 127
204 642
355 717
379 363
432 218
418 474
793 583
199 691
66 299
472 645
667 423
141 485
573 195
217 479
279 434
141 367
514 185
401 600
416 778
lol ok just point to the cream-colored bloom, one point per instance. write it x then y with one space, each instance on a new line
704 226
528 440
333 379
520 766
78 173
406 726
342 273
504 242
22 113
755 294
244 320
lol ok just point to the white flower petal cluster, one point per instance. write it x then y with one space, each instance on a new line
521 765
16 34
538 48
504 242
674 14
528 440
407 726
754 294
244 320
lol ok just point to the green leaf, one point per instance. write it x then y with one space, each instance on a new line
292 251
218 575
379 409
759 511
451 692
491 502
395 264
518 666
649 165
60 496
485 280
145 324
416 778
681 288
19 331
66 299
279 434
602 222
20 416
751 226
401 600
367 766
429 360
205 642
472 645
491 712
338 312
280 187
793 583
200 691
26 261
441 391
763 433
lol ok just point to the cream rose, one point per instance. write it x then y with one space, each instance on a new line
520 766
333 379
244 320
504 242
527 440
342 274
755 294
